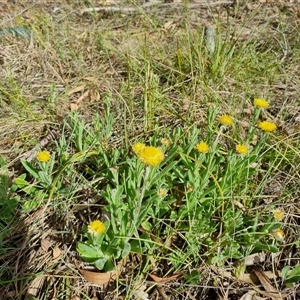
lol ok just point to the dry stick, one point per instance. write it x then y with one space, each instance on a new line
119 9
147 5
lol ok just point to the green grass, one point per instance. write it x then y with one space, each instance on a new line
134 79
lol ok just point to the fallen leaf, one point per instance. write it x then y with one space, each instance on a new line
74 106
94 95
101 278
35 286
248 279
248 296
97 277
91 79
56 252
76 90
165 279
169 25
82 97
45 244
271 291
140 294
255 258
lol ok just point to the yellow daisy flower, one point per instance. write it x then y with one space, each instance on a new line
165 141
96 227
137 147
162 192
43 156
241 149
261 103
202 147
278 234
278 214
226 120
151 156
267 126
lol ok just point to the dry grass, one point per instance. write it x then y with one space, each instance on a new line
75 61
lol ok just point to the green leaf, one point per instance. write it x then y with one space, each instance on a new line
29 190
259 246
45 178
147 225
126 249
193 277
30 205
109 266
20 182
88 252
293 276
284 272
142 244
100 263
7 207
29 167
136 247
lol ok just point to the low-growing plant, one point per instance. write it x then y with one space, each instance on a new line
41 171
189 187
189 193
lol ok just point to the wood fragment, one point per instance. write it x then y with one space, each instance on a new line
113 9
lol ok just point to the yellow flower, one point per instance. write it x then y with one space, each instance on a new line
151 156
165 142
137 147
261 103
278 214
162 192
267 126
225 120
241 149
43 156
96 227
202 147
278 234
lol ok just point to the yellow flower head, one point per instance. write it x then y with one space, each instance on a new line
202 147
278 214
151 156
43 156
226 120
162 192
261 103
241 149
137 147
96 227
278 234
165 142
267 126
